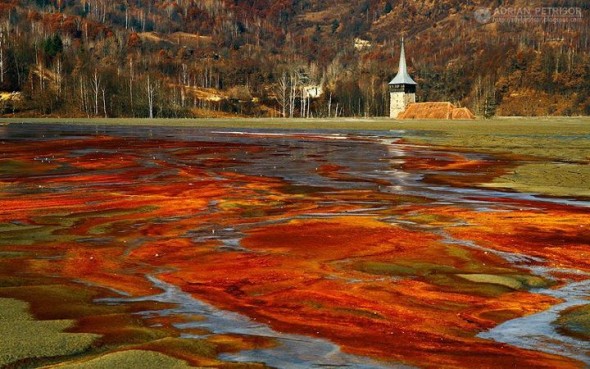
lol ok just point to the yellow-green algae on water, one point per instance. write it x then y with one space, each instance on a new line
24 337
556 151
515 282
557 179
116 328
575 322
130 359
545 138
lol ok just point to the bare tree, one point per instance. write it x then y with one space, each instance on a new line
59 75
2 61
184 75
96 90
303 102
294 84
104 102
151 93
306 93
281 93
39 69
83 102
131 78
126 15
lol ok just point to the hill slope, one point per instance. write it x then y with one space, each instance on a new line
262 57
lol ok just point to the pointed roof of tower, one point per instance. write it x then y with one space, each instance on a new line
402 77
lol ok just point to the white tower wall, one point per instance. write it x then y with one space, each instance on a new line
399 101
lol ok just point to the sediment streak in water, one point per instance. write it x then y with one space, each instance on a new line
293 351
537 331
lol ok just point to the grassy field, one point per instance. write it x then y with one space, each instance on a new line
557 149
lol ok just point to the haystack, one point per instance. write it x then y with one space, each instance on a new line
462 113
435 110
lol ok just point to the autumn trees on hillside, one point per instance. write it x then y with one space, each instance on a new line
146 58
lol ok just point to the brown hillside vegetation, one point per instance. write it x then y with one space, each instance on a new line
142 58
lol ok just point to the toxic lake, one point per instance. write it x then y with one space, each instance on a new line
405 246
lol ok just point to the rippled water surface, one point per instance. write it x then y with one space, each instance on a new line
351 249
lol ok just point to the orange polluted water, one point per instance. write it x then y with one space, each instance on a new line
386 251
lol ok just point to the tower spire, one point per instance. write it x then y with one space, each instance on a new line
402 77
403 69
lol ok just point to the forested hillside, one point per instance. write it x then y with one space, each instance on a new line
143 58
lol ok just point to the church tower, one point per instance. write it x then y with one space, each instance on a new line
402 88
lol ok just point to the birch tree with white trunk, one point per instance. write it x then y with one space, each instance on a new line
2 56
151 94
96 89
281 93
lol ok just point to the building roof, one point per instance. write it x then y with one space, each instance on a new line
402 77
